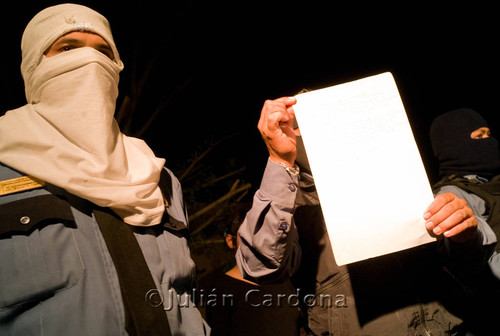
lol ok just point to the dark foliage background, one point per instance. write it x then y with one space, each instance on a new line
197 73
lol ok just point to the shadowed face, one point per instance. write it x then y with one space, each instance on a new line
79 39
481 133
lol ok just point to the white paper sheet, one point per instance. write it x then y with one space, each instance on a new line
369 175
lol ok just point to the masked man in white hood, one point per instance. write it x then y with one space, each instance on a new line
93 227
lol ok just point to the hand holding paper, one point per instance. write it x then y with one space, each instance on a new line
367 169
276 127
451 216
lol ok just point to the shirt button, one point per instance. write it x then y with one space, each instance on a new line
24 220
292 187
283 226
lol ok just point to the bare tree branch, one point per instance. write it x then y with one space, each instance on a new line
161 107
200 157
215 180
214 204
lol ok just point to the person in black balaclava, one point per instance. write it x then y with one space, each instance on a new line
469 158
469 166
462 145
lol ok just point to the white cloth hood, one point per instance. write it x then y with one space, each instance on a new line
53 22
67 135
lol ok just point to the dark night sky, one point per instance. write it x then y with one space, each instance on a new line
234 55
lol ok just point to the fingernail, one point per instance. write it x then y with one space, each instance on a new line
429 225
437 230
427 215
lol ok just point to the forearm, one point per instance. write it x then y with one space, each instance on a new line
268 241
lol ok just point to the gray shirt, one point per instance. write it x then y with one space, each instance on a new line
59 278
269 244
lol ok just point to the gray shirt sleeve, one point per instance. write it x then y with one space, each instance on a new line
268 247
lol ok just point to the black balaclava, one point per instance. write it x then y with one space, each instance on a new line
455 150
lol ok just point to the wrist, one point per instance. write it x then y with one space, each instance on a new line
291 168
282 162
292 171
279 185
